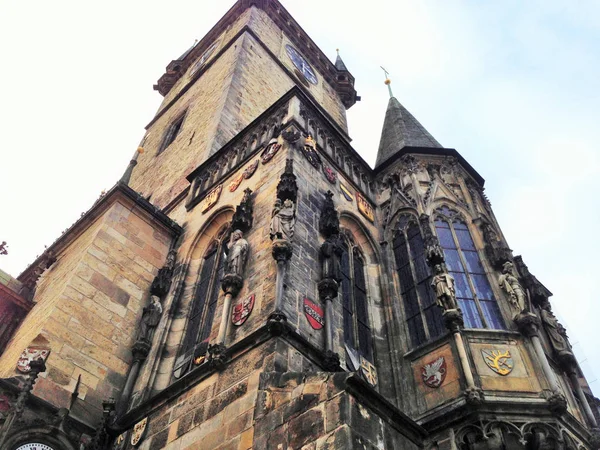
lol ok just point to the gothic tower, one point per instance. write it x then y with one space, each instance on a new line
251 282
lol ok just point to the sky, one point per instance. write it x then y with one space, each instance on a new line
513 86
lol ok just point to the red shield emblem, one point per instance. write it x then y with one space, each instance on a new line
330 174
434 373
251 169
242 310
314 314
270 152
31 354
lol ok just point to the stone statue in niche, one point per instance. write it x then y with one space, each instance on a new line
443 284
283 220
509 283
331 253
238 254
556 332
150 318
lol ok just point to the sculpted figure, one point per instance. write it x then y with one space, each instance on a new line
443 283
238 254
555 330
283 220
330 258
150 318
509 282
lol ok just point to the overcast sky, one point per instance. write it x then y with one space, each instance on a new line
513 86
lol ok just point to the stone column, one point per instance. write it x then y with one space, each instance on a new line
529 324
231 285
328 290
282 253
99 442
140 352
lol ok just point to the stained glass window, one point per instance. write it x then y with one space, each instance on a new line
357 332
202 310
423 316
473 291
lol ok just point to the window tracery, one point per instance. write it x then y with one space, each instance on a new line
202 310
423 317
473 290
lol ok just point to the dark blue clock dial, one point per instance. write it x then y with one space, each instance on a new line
301 64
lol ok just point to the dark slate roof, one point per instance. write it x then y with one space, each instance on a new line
401 129
339 64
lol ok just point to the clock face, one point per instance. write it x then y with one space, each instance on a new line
301 64
203 58
34 446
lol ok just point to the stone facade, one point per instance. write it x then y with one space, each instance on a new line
303 325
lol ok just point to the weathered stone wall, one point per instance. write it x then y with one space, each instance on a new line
88 306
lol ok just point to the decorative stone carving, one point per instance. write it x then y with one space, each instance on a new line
291 135
269 153
331 253
283 220
329 223
557 403
250 170
499 361
211 199
309 149
539 294
433 249
556 333
238 254
162 282
443 284
496 251
365 207
473 396
434 372
29 355
287 189
508 282
150 318
244 213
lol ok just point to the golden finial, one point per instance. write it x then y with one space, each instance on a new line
387 81
140 149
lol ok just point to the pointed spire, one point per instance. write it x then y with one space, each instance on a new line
339 64
401 129
127 175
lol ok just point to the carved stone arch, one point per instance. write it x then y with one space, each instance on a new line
540 435
468 436
396 219
364 240
456 211
509 434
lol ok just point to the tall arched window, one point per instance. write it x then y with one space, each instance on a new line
473 290
423 316
202 310
357 332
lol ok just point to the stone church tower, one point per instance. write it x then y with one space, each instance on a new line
251 282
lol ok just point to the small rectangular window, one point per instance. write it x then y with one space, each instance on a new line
172 132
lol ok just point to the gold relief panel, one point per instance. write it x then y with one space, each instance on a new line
365 207
211 199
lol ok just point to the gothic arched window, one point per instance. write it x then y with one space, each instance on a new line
423 316
202 309
357 332
473 291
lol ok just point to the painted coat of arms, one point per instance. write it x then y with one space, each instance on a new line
138 432
314 314
347 194
330 174
31 354
434 373
236 182
242 311
270 152
310 152
369 372
250 170
499 361
211 198
365 207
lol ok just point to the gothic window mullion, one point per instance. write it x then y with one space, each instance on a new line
412 263
468 277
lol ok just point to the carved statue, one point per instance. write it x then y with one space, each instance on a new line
283 220
331 253
150 318
509 282
443 283
238 254
556 332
